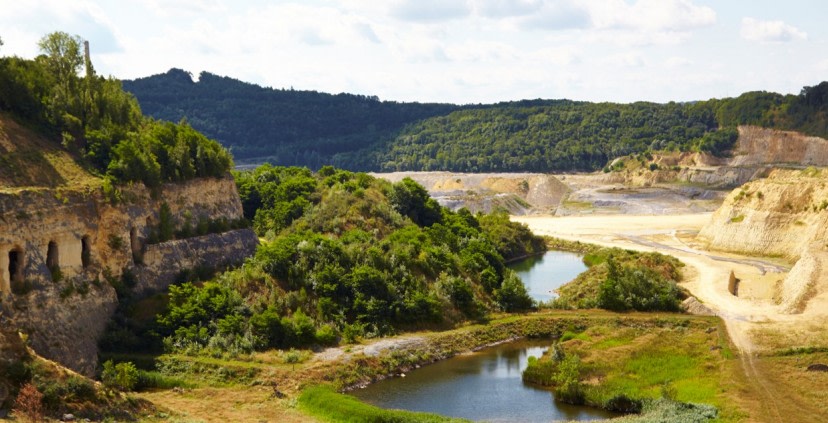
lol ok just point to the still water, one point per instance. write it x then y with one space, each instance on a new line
483 386
543 274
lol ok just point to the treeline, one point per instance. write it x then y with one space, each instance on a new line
354 132
94 118
344 256
303 128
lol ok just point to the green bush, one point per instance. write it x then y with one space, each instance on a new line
640 289
121 376
326 335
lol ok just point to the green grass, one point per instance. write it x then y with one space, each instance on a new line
151 379
572 335
611 343
671 360
323 402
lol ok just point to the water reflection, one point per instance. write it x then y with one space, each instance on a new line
484 386
543 274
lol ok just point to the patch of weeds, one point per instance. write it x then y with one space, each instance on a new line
737 219
115 242
568 335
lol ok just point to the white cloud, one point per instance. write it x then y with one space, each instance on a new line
481 52
431 10
184 8
45 16
677 62
557 15
560 56
628 59
651 15
770 31
367 32
506 8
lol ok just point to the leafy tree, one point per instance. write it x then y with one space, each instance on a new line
567 379
410 199
121 376
512 295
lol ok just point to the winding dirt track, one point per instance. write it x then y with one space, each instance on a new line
706 277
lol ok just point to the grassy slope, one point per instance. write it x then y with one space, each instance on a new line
30 160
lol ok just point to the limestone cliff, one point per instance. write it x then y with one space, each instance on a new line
59 249
756 152
784 215
762 146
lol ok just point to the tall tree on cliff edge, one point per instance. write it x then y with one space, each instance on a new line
63 58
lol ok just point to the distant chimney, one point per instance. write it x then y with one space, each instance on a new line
86 60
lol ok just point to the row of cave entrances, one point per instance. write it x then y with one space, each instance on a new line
17 259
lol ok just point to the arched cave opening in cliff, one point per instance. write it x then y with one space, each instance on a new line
52 260
86 251
135 245
16 265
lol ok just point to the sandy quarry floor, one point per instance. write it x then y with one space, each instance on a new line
706 275
754 321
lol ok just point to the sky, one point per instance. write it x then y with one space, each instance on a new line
457 51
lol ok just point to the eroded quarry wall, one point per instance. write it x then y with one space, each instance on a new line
760 146
784 215
59 250
516 193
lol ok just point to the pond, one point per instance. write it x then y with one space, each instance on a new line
544 274
484 386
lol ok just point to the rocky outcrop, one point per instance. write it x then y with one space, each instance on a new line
164 262
59 249
784 215
761 146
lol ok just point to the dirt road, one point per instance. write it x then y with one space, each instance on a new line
707 273
748 320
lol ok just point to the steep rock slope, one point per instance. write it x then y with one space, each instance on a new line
761 146
756 152
61 251
65 244
784 215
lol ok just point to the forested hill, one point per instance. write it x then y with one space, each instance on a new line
291 127
92 122
312 129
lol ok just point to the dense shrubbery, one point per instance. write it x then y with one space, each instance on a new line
622 280
94 118
345 255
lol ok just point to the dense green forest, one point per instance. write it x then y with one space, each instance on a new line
308 128
291 127
59 94
344 255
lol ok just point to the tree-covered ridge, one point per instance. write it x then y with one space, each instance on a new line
361 133
100 123
344 255
542 136
291 127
